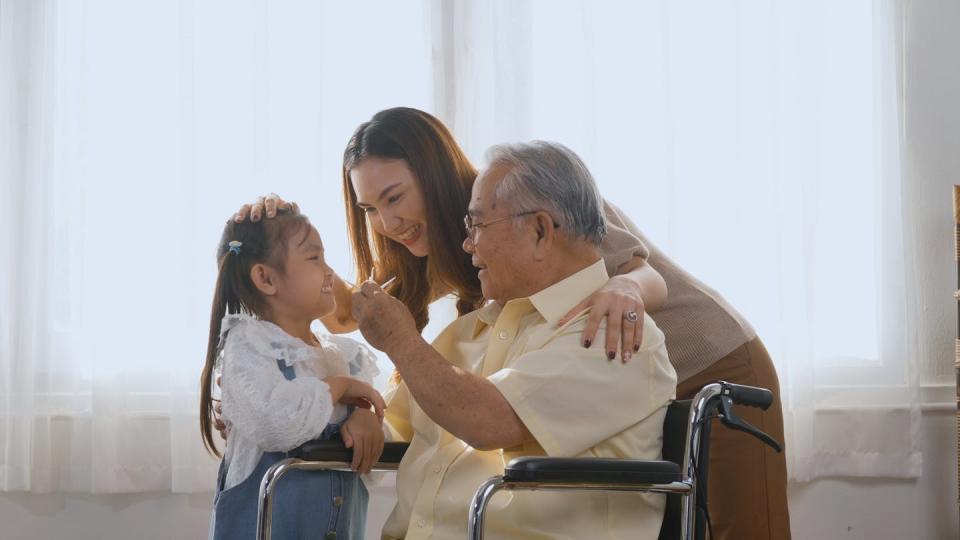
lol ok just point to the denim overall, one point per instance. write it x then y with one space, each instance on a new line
306 504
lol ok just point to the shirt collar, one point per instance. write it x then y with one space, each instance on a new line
554 301
291 350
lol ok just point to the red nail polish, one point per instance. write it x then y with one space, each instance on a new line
611 355
586 343
636 347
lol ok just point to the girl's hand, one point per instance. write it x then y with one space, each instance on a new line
363 433
218 422
351 391
616 300
268 204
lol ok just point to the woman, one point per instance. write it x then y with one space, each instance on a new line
406 180
406 186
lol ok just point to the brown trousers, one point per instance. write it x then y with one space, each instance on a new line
747 492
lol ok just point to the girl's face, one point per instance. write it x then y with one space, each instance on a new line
306 285
390 195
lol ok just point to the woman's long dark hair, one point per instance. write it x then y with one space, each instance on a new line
446 177
262 242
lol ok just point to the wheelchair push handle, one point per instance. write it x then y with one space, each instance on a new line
750 396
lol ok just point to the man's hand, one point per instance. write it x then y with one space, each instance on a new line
384 321
363 432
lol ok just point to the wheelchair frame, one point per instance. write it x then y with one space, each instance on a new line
546 473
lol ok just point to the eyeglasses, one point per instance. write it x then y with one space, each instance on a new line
472 226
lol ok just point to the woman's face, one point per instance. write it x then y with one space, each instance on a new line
390 195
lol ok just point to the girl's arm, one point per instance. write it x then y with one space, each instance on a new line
258 401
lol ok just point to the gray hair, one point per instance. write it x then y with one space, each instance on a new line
549 176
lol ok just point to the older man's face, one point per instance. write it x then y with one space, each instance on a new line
501 251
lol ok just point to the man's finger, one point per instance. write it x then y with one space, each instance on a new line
369 287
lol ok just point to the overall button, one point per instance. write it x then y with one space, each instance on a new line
338 501
332 535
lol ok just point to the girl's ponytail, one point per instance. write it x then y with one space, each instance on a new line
242 245
222 297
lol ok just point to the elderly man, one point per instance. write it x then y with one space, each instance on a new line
506 381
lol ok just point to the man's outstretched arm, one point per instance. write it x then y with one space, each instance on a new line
471 408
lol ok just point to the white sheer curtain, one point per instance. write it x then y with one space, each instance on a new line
131 131
758 144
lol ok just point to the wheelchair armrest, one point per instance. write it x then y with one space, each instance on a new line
586 470
334 450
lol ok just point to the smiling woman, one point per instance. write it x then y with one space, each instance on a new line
396 167
382 186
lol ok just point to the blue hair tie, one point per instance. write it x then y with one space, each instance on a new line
234 246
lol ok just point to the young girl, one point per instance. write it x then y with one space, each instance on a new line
282 385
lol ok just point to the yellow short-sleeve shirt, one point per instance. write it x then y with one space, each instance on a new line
572 400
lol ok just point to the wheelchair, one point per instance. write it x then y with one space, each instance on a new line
686 448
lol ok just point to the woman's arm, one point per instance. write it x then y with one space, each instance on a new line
653 288
637 288
634 289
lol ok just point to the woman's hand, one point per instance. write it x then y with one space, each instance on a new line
363 432
350 391
267 204
616 300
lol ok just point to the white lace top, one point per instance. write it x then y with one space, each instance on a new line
266 411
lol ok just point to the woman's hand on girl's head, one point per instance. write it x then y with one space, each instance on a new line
268 205
615 301
363 433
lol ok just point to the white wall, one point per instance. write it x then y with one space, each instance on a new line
826 509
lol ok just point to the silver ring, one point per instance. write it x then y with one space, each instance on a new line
631 316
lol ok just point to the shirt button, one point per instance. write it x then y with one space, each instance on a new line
503 334
437 469
421 523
